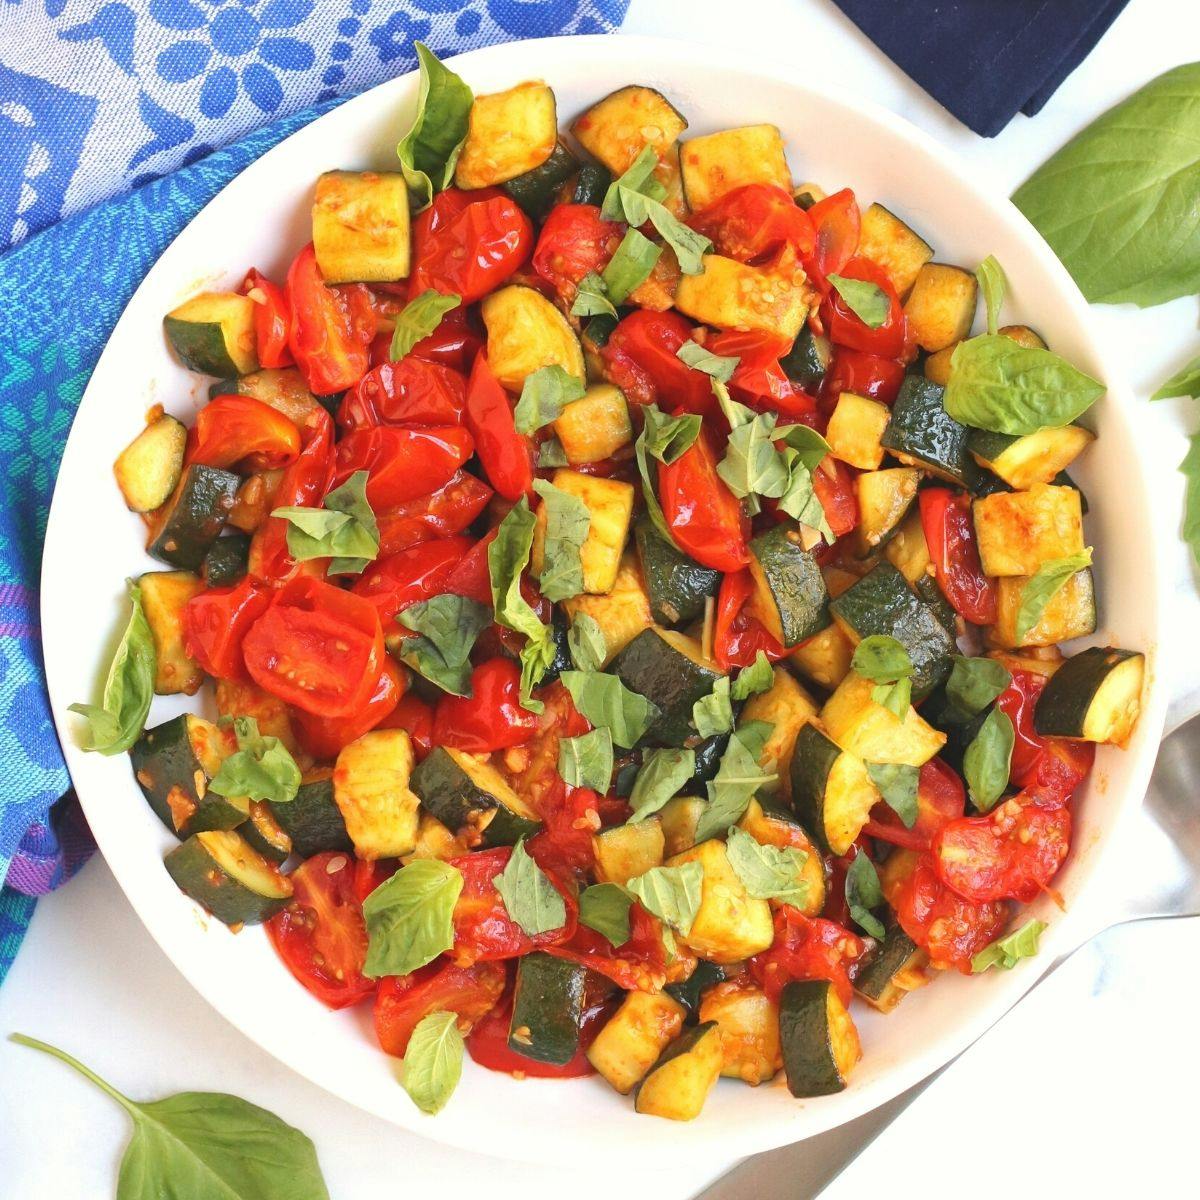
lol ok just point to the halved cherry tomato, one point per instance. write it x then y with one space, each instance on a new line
317 647
321 936
447 511
409 392
641 358
758 380
836 226
638 964
241 429
506 455
533 772
863 374
272 321
399 580
491 718
471 578
846 328
216 622
806 948
401 464
754 222
369 873
455 342
468 243
571 816
704 516
325 737
404 1000
415 717
833 485
941 797
954 550
574 240
331 327
737 635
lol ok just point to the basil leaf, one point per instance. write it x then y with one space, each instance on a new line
665 439
988 758
974 683
863 893
419 318
591 298
344 529
1044 584
699 359
552 454
895 697
867 301
736 414
767 872
799 498
752 465
587 760
529 896
738 777
1185 382
606 701
881 659
197 1145
117 722
604 907
544 394
999 385
630 266
446 628
809 445
1191 504
759 676
1006 952
536 658
662 774
410 917
897 784
586 643
713 714
432 1064
672 894
993 283
568 520
638 177
1118 202
429 150
260 769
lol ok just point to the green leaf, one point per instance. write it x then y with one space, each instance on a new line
1006 952
664 439
1044 584
662 774
895 697
897 784
881 659
430 149
767 872
738 777
260 769
432 1064
200 1145
587 760
117 722
529 896
552 454
799 498
419 318
758 677
867 301
752 465
1118 202
997 384
410 917
630 266
604 907
1191 505
973 684
344 529
568 520
446 628
1185 382
672 894
993 283
988 758
699 359
586 642
809 445
544 395
591 298
606 701
638 177
536 658
863 893
736 414
713 714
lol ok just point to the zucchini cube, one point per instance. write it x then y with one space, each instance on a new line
748 1022
787 708
525 332
1018 531
595 427
717 163
621 614
508 134
360 227
732 295
886 240
874 733
855 427
1071 612
618 128
634 1037
941 306
610 502
370 788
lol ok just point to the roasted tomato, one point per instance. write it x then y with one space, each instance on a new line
640 963
506 455
754 222
863 374
409 392
394 583
403 1001
737 635
239 429
402 464
836 226
415 717
954 551
641 358
941 797
846 328
806 948
491 717
834 487
574 240
272 320
325 737
216 622
446 511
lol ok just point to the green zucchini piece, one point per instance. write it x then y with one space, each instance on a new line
591 184
884 498
537 190
922 433
372 789
165 595
770 825
901 252
891 970
148 469
510 133
1095 696
562 651
213 333
525 332
547 1008
617 128
360 227
708 754
313 820
184 528
749 1025
633 1038
626 851
677 584
226 560
690 991
807 362
283 388
224 875
927 589
789 597
979 481
264 834
817 1035
832 794
1034 458
679 1082
1062 479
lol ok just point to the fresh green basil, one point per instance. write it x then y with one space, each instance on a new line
432 1064
713 714
344 529
758 677
529 896
568 520
1006 952
867 301
604 907
672 894
410 917
639 177
988 759
881 659
419 318
898 784
800 500
993 283
261 768
587 760
429 150
536 658
662 774
118 720
446 627
1191 504
1044 584
544 395
863 893
699 359
551 454
1185 382
738 777
606 701
973 684
200 1145
665 439
1118 202
767 872
630 265
751 465
808 444
1000 385
586 643
591 298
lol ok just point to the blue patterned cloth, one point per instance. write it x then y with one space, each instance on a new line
109 118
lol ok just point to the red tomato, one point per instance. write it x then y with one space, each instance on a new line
394 583
833 484
331 327
506 455
272 321
414 716
317 647
950 535
574 240
806 948
454 343
863 374
941 797
836 225
468 243
738 636
447 511
641 358
409 392
754 222
325 737
404 1000
471 578
491 718
846 328
704 516
216 621
240 429
321 936
758 380
369 873
402 464
638 964
571 816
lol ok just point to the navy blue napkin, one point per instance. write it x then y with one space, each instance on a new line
986 60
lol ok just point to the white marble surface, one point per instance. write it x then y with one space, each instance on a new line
1079 1085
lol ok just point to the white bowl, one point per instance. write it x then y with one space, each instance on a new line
260 219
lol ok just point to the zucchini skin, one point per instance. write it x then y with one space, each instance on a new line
807 362
1065 705
188 524
537 191
794 581
677 585
547 1008
690 991
679 1082
591 184
312 820
448 792
923 431
199 873
227 560
806 1039
878 969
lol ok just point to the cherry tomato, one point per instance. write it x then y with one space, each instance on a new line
402 464
950 535
446 511
215 623
806 948
321 936
574 240
941 798
737 635
754 222
454 343
325 737
468 243
409 392
704 516
758 380
317 647
836 225
491 718
641 358
404 1000
331 327
240 429
414 716
834 487
394 583
638 964
471 578
846 328
272 320
571 816
863 374
506 455
369 873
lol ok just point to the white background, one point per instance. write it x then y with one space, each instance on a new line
1089 1082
